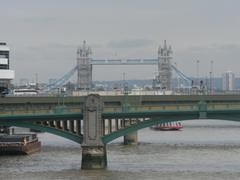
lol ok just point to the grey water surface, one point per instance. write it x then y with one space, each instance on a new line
204 149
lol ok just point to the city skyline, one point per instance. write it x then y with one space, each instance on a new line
44 36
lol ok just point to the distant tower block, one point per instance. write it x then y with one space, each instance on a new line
84 68
164 66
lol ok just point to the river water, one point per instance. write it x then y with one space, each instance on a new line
202 150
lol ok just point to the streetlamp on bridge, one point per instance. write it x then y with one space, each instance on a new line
197 83
211 77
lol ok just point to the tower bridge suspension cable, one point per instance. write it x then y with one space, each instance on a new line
60 82
182 76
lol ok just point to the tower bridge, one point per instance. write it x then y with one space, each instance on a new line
85 65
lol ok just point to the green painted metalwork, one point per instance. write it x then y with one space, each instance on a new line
58 132
148 123
41 117
144 124
25 111
151 113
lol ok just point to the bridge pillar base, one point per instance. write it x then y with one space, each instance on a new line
94 157
131 139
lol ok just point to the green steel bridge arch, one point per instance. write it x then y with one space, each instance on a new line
51 130
37 121
49 123
53 120
229 115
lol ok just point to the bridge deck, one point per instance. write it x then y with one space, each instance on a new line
10 106
121 114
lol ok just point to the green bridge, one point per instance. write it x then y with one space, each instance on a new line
94 121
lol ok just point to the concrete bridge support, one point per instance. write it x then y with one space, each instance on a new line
131 139
94 155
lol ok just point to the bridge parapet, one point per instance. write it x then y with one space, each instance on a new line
39 110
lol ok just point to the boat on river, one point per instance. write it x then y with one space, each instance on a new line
15 144
170 126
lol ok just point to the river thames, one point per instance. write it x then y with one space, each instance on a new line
202 150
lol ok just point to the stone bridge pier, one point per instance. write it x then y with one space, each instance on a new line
94 155
131 138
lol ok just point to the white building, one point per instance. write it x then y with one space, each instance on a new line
228 81
6 75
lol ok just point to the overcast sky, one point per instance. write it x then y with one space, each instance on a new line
44 35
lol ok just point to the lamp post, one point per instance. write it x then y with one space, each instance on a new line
177 87
197 84
211 77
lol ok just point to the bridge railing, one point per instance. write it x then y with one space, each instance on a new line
120 108
171 107
40 110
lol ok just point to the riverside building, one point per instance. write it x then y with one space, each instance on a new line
6 75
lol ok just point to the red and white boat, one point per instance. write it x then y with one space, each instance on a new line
170 126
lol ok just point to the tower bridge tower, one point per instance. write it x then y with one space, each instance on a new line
84 67
164 66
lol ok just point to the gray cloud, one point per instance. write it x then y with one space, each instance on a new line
52 46
215 47
134 43
61 45
40 19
